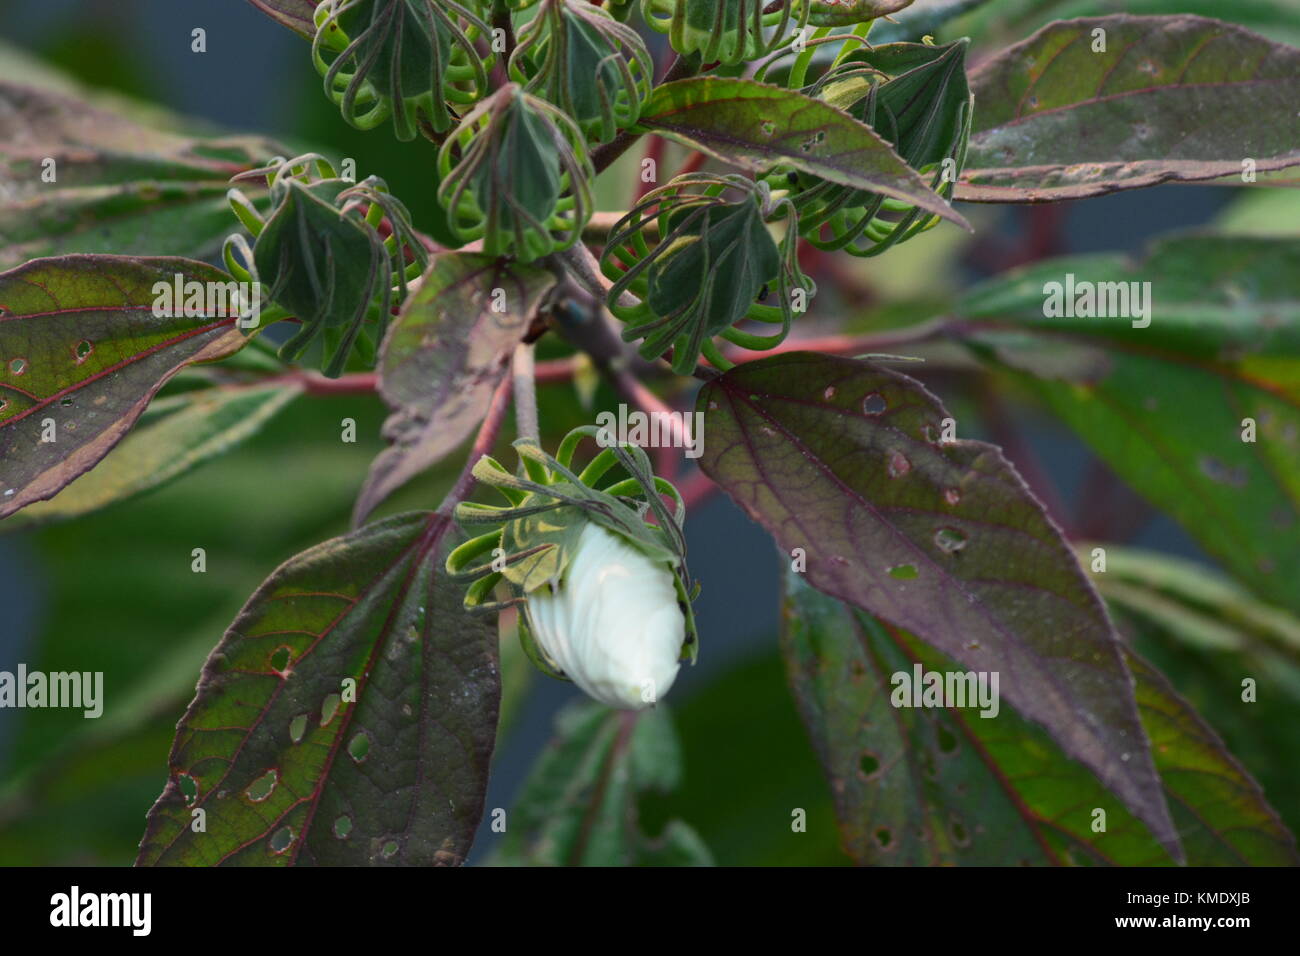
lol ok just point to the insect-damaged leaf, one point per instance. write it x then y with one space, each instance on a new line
173 436
346 718
846 461
1196 398
579 804
757 126
1178 98
75 178
443 358
83 353
948 785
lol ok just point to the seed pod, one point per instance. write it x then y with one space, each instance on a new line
606 594
324 259
916 97
712 259
581 59
405 59
516 174
726 31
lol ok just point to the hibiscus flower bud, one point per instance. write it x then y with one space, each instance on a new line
612 625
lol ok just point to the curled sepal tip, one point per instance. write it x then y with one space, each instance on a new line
605 592
698 258
516 174
725 31
416 61
578 57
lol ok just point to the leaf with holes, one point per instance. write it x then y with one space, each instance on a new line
297 15
346 718
83 353
1214 347
443 358
77 179
174 435
756 126
1178 98
847 461
579 805
946 785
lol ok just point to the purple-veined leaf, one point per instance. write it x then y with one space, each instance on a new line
847 462
944 785
78 179
1178 98
757 126
1210 359
297 15
346 718
442 359
82 354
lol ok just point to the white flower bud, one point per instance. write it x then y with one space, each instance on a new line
613 626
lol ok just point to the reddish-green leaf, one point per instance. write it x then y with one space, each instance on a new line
347 717
81 355
847 462
944 785
757 126
1177 98
443 358
297 15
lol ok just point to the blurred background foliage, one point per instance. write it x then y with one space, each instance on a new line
114 591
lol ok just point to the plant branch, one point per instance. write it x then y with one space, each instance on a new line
524 377
483 442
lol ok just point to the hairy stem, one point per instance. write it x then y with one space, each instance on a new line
524 377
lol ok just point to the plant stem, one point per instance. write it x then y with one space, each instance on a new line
524 375
607 155
483 442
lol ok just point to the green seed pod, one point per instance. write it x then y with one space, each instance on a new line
404 59
581 59
534 546
517 175
325 259
727 31
916 97
712 265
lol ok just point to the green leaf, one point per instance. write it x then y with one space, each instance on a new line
756 126
84 354
174 436
579 804
292 768
944 785
444 357
1165 407
1171 99
845 461
842 13
297 15
118 187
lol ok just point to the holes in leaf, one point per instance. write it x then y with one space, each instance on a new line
904 572
768 127
884 837
281 840
280 659
950 540
343 826
390 849
328 709
959 834
67 401
898 464
18 366
869 764
298 728
952 496
263 786
829 393
189 788
4 403
874 404
947 740
81 351
359 747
